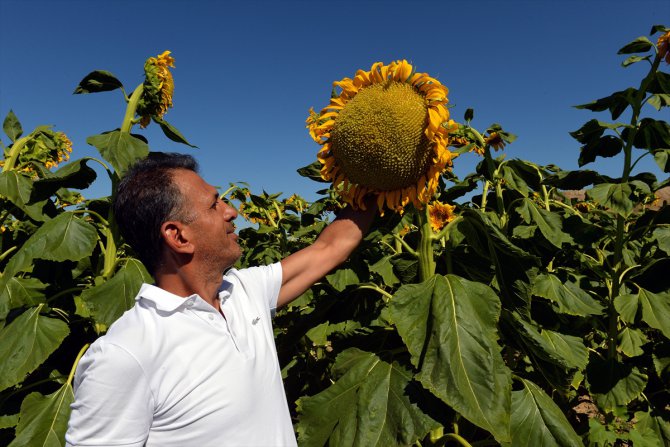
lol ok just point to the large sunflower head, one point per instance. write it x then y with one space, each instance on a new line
385 133
158 88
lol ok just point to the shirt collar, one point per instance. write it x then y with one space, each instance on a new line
169 302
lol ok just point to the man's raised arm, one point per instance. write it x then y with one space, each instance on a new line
333 246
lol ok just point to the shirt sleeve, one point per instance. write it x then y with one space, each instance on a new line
261 283
113 403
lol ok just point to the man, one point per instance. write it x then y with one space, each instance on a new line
193 363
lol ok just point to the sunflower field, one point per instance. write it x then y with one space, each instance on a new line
520 305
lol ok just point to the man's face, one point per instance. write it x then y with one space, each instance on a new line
210 226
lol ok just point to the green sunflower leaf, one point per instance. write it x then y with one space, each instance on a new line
662 159
18 189
639 45
631 341
633 59
575 179
563 350
537 421
120 149
628 306
605 146
616 103
43 419
76 174
659 100
369 405
97 81
26 343
12 126
449 326
384 268
25 292
659 427
614 384
171 132
568 296
549 223
9 421
63 238
656 310
614 196
107 302
662 237
652 134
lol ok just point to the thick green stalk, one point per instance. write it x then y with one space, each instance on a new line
131 108
10 162
425 251
613 326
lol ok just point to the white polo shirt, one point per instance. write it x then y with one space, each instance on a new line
173 371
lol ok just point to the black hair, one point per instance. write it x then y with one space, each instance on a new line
146 198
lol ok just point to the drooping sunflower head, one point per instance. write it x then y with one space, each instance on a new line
158 88
45 147
440 214
385 133
663 47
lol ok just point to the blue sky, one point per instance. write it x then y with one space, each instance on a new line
247 72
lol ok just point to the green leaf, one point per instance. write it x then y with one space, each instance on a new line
98 81
563 350
656 310
61 239
662 159
449 326
660 83
171 132
631 342
64 238
120 149
616 103
514 181
659 100
570 299
368 406
313 172
9 421
537 421
627 305
18 189
43 419
384 268
73 175
25 292
12 126
342 277
660 427
633 59
614 196
574 179
26 343
614 384
605 146
549 223
639 45
480 231
652 134
107 301
662 237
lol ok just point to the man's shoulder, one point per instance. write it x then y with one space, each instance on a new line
254 272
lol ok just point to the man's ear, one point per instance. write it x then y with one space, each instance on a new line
175 238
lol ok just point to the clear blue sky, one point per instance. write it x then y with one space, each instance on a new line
248 71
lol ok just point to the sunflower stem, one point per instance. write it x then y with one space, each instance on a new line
131 108
426 258
14 153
